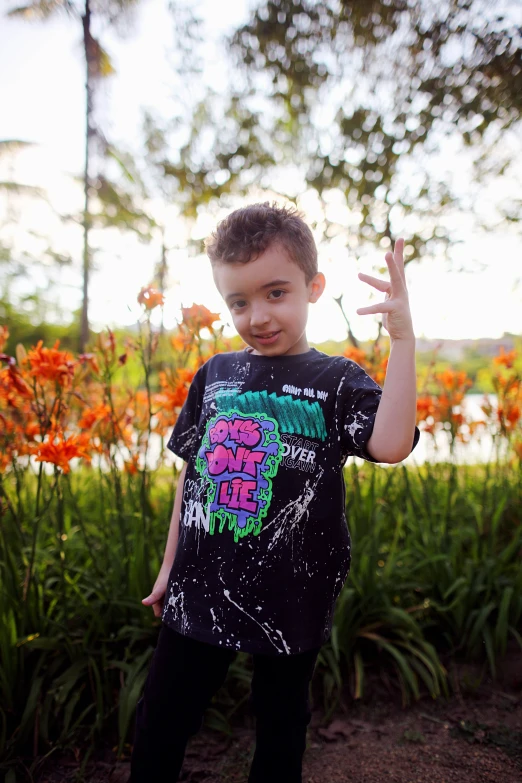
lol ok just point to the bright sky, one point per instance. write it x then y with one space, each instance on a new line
42 100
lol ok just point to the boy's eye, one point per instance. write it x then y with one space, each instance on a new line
238 304
276 294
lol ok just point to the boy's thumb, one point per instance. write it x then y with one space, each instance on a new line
151 599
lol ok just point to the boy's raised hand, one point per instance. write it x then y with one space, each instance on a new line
395 308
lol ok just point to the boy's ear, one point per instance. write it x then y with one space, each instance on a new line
316 287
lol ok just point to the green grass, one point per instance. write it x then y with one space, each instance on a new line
435 576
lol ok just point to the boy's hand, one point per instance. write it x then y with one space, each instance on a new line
396 317
157 596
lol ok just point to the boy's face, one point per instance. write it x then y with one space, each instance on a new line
268 299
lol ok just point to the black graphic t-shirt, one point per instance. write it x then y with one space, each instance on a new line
264 547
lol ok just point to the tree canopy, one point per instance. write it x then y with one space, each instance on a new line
361 97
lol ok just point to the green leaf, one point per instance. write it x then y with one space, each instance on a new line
31 704
10 776
359 675
410 679
501 628
488 642
460 582
480 622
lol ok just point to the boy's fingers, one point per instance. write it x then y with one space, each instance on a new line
381 307
152 598
399 256
381 285
395 268
156 601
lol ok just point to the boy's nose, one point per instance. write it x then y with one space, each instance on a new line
259 316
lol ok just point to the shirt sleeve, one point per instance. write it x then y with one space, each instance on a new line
184 436
359 399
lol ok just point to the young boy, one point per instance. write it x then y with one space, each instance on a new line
258 547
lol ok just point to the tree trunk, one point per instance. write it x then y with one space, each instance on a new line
88 50
162 275
351 337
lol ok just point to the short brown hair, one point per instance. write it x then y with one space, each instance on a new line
247 232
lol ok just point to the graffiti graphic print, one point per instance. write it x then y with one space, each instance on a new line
239 456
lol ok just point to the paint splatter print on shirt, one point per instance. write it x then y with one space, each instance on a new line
264 547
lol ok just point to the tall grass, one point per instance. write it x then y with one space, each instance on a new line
435 574
74 639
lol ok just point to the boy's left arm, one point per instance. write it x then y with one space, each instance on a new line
394 427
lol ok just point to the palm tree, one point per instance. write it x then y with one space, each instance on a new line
97 66
7 186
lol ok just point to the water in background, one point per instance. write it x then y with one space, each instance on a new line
479 449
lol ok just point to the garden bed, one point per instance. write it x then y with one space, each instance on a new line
474 737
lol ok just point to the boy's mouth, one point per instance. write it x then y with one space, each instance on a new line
267 337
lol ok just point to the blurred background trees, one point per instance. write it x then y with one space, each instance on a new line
360 105
361 101
113 207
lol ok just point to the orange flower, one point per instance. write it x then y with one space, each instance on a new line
32 429
518 449
198 317
373 361
132 466
50 364
98 446
175 386
139 410
513 414
507 359
379 374
13 388
453 380
7 443
169 401
4 334
508 414
425 408
150 298
355 354
59 450
91 416
182 340
89 359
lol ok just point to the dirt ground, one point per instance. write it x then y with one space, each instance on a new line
474 737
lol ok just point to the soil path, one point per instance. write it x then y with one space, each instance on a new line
471 741
477 739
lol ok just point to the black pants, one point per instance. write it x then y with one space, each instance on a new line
183 677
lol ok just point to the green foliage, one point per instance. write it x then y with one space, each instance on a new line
352 97
75 640
435 574
396 89
23 330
